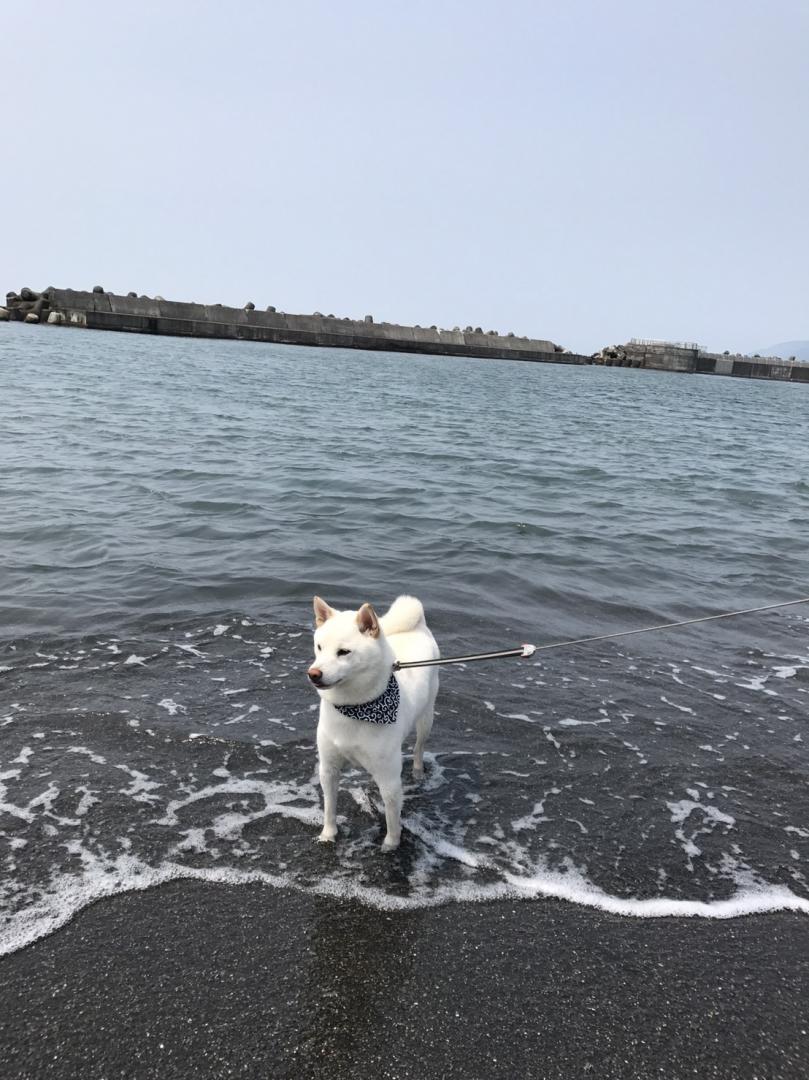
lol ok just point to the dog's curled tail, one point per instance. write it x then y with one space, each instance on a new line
405 613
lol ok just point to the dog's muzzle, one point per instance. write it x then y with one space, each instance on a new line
315 676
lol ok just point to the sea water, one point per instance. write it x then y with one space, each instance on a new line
170 507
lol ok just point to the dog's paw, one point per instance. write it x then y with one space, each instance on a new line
418 774
389 845
328 836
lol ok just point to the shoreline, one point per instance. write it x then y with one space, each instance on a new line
193 978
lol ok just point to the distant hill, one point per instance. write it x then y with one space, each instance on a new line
785 349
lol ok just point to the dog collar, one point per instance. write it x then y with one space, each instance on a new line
382 710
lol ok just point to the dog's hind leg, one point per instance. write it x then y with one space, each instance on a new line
424 726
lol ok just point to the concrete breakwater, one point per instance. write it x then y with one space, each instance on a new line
690 358
100 310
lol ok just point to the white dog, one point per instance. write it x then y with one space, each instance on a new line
367 711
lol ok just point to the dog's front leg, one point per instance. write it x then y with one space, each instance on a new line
329 781
390 788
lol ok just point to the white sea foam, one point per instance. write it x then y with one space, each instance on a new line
192 649
171 706
101 877
572 886
722 676
442 846
97 758
683 809
757 682
530 821
711 817
787 672
581 825
141 788
277 796
569 721
87 800
674 705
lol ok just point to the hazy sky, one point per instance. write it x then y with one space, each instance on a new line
582 170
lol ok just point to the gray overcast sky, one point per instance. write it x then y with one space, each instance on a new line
583 170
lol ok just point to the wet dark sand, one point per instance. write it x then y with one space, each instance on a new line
215 981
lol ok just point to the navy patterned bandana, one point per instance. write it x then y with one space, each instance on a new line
382 710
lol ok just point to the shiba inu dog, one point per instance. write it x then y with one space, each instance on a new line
367 710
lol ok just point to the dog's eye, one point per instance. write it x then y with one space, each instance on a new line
343 652
320 648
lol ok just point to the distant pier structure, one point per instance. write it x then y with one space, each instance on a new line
691 358
101 310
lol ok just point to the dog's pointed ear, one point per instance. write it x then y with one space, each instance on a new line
322 611
367 621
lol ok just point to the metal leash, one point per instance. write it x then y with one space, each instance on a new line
529 650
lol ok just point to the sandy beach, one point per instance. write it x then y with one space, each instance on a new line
203 980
